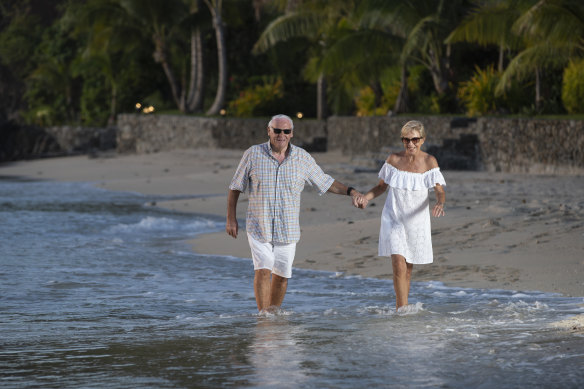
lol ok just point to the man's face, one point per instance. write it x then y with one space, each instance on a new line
280 141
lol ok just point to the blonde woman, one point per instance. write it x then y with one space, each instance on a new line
405 233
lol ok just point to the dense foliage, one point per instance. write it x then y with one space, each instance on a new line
83 62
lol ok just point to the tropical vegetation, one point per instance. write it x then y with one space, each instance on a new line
85 61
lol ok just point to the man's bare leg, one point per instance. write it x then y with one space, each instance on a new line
279 286
402 276
262 288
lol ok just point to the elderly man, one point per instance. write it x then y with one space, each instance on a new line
274 173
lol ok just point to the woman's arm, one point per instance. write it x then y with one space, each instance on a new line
438 209
377 190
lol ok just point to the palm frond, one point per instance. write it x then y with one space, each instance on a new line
297 24
489 24
366 53
559 21
417 39
542 55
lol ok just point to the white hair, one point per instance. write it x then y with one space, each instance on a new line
281 116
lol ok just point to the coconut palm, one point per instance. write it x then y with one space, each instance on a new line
113 25
422 26
554 32
546 33
319 22
216 8
491 23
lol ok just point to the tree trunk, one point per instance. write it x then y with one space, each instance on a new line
195 97
439 71
221 57
113 103
537 90
402 102
160 57
321 98
501 56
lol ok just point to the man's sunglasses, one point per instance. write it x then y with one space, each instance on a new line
279 130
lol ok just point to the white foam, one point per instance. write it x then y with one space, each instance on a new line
150 223
410 309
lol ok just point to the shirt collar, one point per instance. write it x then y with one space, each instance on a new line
291 149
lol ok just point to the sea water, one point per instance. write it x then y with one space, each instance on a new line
99 289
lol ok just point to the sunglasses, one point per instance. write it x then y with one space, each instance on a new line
413 140
279 130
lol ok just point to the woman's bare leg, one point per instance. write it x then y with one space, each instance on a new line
402 276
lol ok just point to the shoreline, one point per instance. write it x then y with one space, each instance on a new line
501 230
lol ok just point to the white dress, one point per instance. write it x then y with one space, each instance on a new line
405 220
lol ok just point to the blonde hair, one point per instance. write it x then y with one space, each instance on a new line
414 125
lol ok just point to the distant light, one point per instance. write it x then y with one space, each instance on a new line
148 109
138 105
299 115
223 112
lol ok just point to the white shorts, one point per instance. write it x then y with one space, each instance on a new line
277 257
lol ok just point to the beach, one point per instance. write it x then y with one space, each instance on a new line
501 231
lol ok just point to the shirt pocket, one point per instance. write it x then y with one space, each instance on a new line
293 179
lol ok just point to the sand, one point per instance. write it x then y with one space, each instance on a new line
501 231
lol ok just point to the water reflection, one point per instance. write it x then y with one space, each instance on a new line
276 354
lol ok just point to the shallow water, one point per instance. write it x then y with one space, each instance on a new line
98 289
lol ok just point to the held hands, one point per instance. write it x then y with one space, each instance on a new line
438 210
359 200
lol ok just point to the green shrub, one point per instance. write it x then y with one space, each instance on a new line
254 97
573 87
390 86
478 93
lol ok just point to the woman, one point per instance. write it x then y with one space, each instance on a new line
405 221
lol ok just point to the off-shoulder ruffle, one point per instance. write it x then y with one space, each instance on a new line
400 179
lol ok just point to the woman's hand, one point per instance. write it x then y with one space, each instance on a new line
360 201
438 210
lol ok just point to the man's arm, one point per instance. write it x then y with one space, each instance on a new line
231 226
342 189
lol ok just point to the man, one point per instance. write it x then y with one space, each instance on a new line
274 173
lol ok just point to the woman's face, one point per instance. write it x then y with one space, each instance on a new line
412 142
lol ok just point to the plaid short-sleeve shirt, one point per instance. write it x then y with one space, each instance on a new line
274 190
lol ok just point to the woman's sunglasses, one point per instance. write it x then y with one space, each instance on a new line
413 140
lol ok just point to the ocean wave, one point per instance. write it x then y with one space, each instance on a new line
165 224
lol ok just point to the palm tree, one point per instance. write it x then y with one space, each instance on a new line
105 50
216 8
491 23
422 27
547 34
318 22
163 23
554 31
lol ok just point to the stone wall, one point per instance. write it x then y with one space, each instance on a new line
27 142
152 133
533 146
77 139
507 145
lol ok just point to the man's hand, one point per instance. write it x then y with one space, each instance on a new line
231 227
359 200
